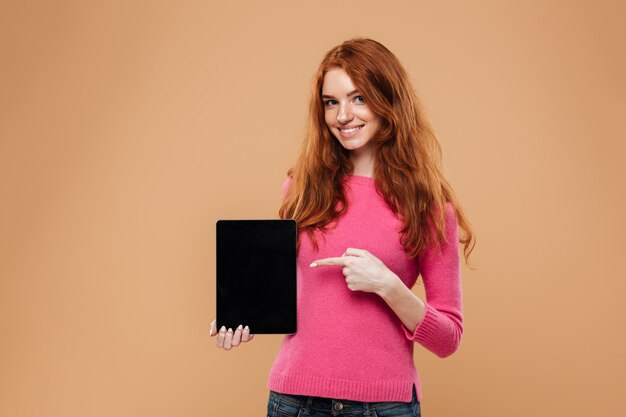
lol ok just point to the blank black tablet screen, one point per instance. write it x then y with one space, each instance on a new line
256 275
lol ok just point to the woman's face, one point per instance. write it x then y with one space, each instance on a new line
347 114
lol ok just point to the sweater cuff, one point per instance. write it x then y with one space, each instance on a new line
426 328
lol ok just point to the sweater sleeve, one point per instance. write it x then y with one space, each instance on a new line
442 326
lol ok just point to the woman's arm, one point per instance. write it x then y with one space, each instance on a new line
409 308
437 323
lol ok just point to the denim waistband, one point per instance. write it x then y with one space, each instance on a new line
337 405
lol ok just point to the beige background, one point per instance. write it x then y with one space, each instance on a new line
128 128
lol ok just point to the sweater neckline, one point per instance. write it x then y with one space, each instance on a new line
360 179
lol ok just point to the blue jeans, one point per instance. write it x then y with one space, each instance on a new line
287 405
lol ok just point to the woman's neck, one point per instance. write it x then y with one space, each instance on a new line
363 162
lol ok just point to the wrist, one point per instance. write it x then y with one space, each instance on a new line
390 286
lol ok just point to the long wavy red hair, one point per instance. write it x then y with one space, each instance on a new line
407 155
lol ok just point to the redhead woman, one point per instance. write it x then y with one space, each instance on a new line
374 213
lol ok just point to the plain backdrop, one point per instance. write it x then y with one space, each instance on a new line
127 128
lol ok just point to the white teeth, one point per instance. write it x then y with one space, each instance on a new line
350 130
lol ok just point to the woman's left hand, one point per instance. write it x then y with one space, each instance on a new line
363 271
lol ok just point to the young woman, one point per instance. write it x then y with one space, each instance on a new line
368 192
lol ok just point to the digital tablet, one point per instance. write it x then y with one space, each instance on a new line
256 275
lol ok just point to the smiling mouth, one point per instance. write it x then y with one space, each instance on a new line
350 130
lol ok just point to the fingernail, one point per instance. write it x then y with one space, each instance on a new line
240 327
223 329
230 330
246 328
313 265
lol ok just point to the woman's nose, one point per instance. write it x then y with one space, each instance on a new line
345 114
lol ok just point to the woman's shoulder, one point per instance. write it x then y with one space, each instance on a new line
449 212
286 185
450 220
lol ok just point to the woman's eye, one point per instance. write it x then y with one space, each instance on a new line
330 102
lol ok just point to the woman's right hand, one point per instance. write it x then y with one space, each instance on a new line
227 338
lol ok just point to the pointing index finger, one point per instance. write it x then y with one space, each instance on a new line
340 260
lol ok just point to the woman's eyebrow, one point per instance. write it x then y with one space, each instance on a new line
349 94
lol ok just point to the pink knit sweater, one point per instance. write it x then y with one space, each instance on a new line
350 344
